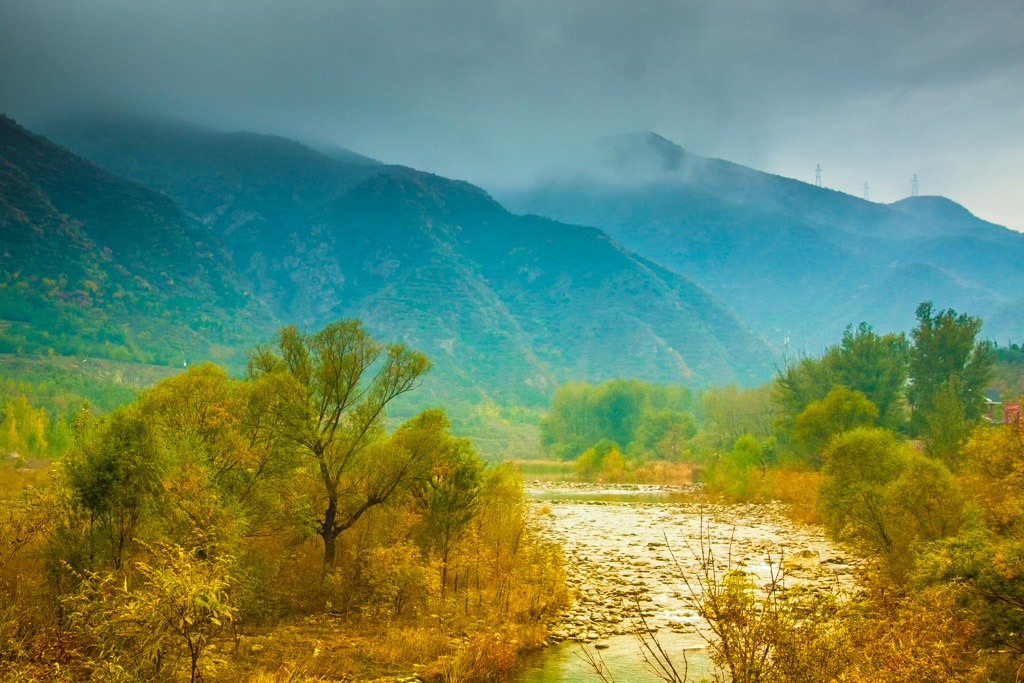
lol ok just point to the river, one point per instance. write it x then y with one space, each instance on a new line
631 551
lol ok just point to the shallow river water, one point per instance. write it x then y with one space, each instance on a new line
636 550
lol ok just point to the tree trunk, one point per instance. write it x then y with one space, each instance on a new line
329 532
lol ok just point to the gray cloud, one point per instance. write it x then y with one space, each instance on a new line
873 90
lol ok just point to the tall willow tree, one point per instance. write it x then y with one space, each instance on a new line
331 390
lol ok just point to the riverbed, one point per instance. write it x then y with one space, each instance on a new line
636 556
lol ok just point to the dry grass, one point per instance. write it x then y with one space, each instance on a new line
14 481
326 649
536 469
283 674
799 490
665 473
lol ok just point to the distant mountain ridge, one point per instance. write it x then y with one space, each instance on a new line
94 264
505 306
796 261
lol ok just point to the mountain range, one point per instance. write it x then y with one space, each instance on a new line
505 306
161 241
797 262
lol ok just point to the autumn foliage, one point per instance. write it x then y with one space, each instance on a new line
192 521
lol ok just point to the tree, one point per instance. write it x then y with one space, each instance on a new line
643 419
24 429
986 559
332 389
565 430
946 354
181 603
864 361
887 498
840 411
948 424
114 476
228 476
664 433
859 464
618 407
876 366
798 386
449 494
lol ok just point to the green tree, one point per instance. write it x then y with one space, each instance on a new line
946 355
948 424
618 407
841 410
227 478
886 498
589 463
564 431
449 494
663 433
858 465
332 390
799 385
876 366
644 419
114 476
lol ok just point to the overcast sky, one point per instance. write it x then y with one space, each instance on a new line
873 90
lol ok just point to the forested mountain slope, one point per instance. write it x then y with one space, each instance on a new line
505 306
94 264
794 260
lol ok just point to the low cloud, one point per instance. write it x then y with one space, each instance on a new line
488 91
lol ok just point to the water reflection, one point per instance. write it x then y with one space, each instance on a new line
589 493
565 663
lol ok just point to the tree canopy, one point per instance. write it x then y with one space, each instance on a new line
949 367
641 419
331 390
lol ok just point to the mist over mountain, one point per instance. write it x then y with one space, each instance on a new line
796 261
505 306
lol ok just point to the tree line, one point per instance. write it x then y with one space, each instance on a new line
928 387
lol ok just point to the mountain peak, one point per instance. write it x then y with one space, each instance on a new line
934 207
643 151
400 189
636 158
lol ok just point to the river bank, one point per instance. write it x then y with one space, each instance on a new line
634 552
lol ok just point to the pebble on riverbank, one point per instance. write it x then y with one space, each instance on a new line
630 551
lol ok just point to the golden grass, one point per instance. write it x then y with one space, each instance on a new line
798 489
326 649
664 473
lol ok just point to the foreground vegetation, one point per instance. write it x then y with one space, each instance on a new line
886 441
269 528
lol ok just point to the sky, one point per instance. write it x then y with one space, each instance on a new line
491 91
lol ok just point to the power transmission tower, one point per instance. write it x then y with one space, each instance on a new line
866 190
913 186
817 176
